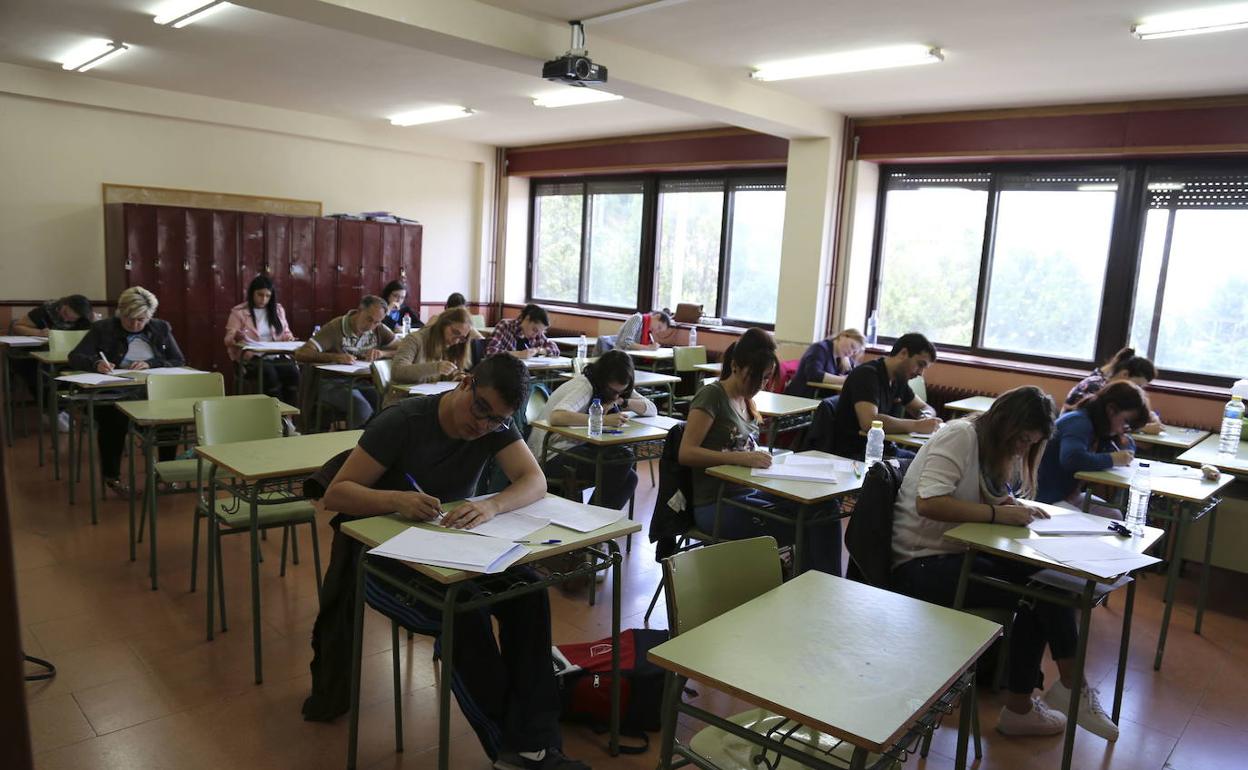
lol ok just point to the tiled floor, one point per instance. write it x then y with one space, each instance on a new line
139 687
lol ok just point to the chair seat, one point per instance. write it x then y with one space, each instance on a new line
729 752
274 514
177 470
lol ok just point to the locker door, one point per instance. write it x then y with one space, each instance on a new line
348 288
409 267
277 252
140 260
199 343
370 262
392 260
226 293
171 267
324 272
299 301
251 249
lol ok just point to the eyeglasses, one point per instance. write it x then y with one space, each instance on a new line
481 411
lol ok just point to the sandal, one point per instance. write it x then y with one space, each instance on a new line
119 487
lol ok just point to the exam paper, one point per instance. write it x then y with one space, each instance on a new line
510 526
1090 555
454 550
289 346
22 341
432 388
90 378
796 467
657 421
1157 470
358 366
141 373
1071 524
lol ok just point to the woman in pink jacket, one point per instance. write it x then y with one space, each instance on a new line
262 319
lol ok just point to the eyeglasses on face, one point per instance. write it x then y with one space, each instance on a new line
481 411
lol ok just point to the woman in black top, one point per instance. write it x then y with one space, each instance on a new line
395 295
69 313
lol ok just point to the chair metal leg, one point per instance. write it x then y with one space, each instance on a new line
658 591
316 557
398 686
294 544
195 548
220 579
285 539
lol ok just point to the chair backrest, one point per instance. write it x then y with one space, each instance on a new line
919 386
706 582
537 402
240 418
381 375
161 387
478 321
684 359
63 341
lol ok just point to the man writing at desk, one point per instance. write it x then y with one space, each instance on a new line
413 456
357 336
880 390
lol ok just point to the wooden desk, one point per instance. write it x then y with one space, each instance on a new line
351 378
252 468
262 349
146 417
89 395
1172 438
807 494
1206 452
659 358
784 413
971 405
1001 540
831 387
1191 499
864 670
570 343
650 381
9 343
439 588
49 365
907 439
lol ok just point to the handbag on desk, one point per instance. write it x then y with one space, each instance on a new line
687 313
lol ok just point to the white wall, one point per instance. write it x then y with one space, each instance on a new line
863 183
56 155
516 247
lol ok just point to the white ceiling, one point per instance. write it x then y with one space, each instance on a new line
999 53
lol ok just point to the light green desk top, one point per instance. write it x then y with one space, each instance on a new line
999 539
709 368
641 379
835 387
378 529
277 457
1188 490
905 439
1207 452
176 411
1172 437
971 404
797 491
840 656
633 433
21 341
658 354
572 342
779 405
51 357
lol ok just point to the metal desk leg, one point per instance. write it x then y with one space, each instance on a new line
91 458
7 383
353 727
130 466
1081 657
772 429
55 437
149 497
964 722
964 577
1204 573
39 408
1123 648
260 374
1172 583
673 685
614 743
210 574
445 675
71 470
799 540
255 581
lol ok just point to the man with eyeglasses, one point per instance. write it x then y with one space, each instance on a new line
505 687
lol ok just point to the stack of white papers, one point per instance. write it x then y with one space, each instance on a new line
22 341
510 526
798 467
289 346
1157 470
546 361
90 378
1071 524
141 373
657 421
454 550
1091 555
358 366
566 513
432 388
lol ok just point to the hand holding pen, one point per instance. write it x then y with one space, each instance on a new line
416 505
104 366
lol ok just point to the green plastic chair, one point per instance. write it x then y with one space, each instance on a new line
919 386
478 321
380 370
705 583
61 341
228 421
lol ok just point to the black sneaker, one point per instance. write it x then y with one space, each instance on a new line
554 760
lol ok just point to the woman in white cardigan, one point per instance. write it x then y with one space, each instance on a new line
609 379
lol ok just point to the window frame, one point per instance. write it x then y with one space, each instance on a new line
647 283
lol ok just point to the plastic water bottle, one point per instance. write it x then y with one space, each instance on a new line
407 325
1232 425
872 323
582 350
1137 503
693 336
875 444
316 329
595 419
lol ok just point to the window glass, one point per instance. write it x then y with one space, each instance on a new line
690 225
557 211
614 243
754 252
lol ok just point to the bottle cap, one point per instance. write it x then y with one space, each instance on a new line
877 424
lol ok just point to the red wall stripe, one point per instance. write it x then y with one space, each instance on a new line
635 154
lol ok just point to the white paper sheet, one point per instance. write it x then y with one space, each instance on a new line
1157 470
510 526
22 341
567 513
90 378
432 388
288 346
142 373
1115 567
1090 555
797 467
546 361
358 366
657 421
1071 524
450 549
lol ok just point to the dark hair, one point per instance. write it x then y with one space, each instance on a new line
1025 408
371 301
79 304
754 352
391 288
915 344
663 315
507 375
1123 395
455 300
1127 361
612 366
262 281
535 314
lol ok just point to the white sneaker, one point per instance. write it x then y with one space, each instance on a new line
1040 720
1092 716
62 422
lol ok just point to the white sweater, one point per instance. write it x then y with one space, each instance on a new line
574 395
948 465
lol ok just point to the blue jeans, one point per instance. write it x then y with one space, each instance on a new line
362 398
821 544
618 480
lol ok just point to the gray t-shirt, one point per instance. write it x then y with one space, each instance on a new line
407 438
729 430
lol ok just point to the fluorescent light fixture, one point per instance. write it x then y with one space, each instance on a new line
570 96
1165 186
1110 187
180 13
92 53
1200 21
849 61
430 115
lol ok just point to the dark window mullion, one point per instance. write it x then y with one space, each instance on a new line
647 259
582 283
985 263
1155 327
1122 267
725 246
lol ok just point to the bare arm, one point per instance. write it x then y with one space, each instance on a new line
867 412
25 327
351 492
948 508
307 353
833 379
528 485
694 455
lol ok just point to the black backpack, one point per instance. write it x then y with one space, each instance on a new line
869 535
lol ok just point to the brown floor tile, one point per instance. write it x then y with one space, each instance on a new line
56 722
1207 744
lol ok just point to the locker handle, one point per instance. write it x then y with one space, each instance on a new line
186 266
156 264
129 265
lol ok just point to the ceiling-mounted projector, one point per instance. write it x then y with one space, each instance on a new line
574 67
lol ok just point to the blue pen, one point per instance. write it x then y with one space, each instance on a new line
412 481
544 542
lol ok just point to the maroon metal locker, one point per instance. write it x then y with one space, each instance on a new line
228 289
392 259
277 252
251 248
171 267
298 300
140 255
348 287
370 262
203 330
324 272
409 269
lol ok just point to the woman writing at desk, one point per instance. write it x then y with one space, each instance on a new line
979 469
263 319
437 352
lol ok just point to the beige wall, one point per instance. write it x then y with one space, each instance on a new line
55 155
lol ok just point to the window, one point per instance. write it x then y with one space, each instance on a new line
657 241
1191 293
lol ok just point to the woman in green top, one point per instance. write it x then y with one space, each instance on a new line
723 430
